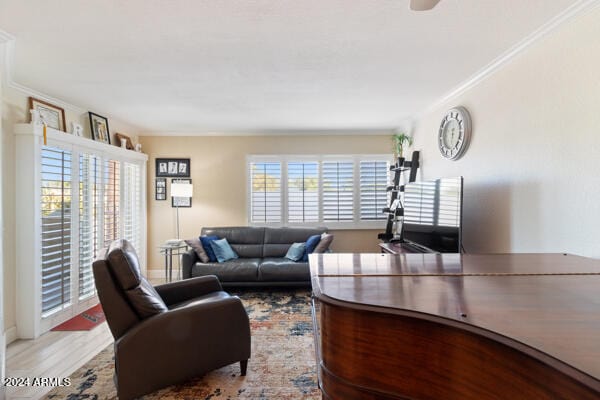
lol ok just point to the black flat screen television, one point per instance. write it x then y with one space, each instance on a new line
433 215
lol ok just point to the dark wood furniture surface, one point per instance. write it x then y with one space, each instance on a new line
397 248
427 326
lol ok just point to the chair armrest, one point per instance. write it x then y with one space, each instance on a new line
188 259
177 292
180 344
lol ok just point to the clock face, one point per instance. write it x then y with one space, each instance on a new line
454 133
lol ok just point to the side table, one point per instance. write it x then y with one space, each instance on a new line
170 250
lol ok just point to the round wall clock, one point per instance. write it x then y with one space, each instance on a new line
455 133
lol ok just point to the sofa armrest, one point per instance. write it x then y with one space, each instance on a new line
188 259
177 292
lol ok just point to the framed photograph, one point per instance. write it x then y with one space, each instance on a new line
128 143
99 127
160 189
173 167
53 116
181 201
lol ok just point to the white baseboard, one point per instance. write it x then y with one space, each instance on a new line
10 335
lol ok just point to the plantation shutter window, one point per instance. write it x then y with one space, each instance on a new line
342 191
373 193
90 208
303 191
73 199
265 192
56 228
338 191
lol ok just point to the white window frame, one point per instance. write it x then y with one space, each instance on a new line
356 223
29 141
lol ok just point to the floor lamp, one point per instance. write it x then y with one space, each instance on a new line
180 190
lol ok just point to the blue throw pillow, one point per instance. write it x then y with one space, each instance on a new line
223 250
206 241
296 251
311 243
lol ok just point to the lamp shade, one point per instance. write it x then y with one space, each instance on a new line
182 190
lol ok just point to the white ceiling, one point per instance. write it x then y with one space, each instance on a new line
200 66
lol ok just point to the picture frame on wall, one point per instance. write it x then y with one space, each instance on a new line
181 201
128 143
173 167
53 116
160 189
99 128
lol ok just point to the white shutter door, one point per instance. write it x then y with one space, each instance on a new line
265 188
90 209
338 191
373 194
303 191
56 229
132 204
112 201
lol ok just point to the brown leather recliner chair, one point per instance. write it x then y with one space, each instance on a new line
168 333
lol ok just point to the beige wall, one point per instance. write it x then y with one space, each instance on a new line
531 172
15 109
218 172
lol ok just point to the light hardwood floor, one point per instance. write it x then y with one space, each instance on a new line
52 355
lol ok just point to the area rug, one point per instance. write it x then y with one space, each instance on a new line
86 321
282 365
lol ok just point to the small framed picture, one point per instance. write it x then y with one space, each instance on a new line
76 129
181 201
160 192
99 127
124 139
53 116
173 167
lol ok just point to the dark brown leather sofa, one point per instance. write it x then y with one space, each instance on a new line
168 333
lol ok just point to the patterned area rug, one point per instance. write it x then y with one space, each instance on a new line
282 365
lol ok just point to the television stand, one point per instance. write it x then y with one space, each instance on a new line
401 247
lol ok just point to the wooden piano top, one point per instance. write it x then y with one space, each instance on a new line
543 304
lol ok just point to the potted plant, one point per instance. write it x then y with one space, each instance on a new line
400 140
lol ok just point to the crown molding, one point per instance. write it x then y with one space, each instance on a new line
9 42
276 132
577 9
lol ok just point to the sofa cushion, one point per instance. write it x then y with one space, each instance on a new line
278 240
296 251
324 244
311 243
223 250
205 240
245 241
275 269
196 245
239 270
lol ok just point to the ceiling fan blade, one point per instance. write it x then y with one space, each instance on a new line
423 5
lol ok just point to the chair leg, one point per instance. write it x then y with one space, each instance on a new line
243 367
